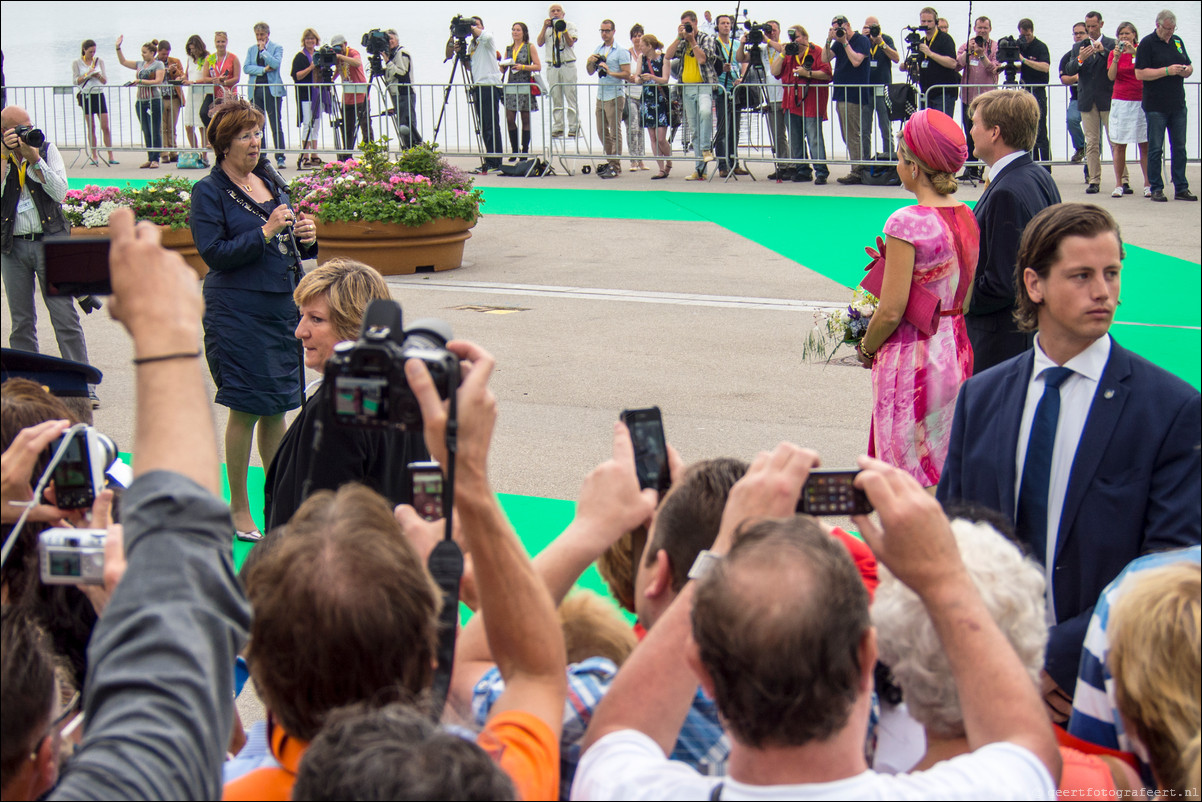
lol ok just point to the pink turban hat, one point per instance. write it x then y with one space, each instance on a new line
936 139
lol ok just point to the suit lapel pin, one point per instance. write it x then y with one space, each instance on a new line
1108 394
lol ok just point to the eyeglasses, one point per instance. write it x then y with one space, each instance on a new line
249 135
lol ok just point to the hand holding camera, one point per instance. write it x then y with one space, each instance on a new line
477 409
16 471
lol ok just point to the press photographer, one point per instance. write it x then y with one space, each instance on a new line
356 111
977 61
32 190
480 55
559 37
932 57
1036 61
398 71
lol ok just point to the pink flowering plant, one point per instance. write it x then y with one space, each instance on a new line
418 187
165 202
91 206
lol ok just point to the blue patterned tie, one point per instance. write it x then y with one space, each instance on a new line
1032 523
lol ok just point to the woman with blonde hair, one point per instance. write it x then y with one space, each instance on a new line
931 248
332 300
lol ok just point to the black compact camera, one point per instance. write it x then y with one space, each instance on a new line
461 27
30 136
79 475
874 31
376 42
365 380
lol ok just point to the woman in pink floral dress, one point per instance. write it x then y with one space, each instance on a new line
932 245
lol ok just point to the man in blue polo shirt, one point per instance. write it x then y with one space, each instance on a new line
849 51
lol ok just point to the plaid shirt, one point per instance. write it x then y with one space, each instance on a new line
702 742
706 43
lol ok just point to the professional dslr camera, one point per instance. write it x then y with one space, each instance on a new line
30 136
365 380
839 32
461 27
874 31
559 25
792 48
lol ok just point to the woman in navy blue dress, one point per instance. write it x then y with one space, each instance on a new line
241 224
653 75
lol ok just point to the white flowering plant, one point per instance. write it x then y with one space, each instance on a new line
92 206
843 326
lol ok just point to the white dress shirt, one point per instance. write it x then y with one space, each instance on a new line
51 173
1001 163
1076 397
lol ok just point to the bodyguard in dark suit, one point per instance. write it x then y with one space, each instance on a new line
1092 450
1005 125
1094 89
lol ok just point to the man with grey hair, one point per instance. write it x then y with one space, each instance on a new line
1163 65
559 64
398 71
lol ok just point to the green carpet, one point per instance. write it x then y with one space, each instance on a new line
826 234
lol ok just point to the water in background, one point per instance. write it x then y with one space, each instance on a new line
40 40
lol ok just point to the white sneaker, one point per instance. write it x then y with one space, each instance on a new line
1118 192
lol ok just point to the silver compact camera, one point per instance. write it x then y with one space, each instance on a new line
72 556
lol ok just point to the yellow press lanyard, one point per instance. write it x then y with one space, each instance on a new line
20 167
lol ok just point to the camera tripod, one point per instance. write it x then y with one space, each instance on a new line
460 59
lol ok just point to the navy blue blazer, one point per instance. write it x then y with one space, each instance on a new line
1135 486
1021 190
230 238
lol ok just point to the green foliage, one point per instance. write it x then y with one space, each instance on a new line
165 202
417 188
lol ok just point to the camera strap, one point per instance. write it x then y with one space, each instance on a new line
446 566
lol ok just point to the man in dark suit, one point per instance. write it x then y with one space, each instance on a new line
1092 450
1005 125
1094 89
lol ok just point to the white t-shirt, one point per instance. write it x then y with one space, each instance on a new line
629 765
567 52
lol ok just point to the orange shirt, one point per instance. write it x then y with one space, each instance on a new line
273 783
521 744
526 749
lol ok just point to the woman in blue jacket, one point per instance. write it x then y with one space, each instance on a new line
242 227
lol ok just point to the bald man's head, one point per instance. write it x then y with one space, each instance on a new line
12 116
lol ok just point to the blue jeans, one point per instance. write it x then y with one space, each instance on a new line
150 114
269 104
699 110
488 98
1175 122
805 133
1073 120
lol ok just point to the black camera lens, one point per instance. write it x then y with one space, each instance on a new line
792 49
979 41
874 30
688 28
560 25
31 136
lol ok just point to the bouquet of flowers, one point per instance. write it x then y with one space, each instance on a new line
417 188
164 202
91 206
843 326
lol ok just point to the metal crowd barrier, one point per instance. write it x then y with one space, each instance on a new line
448 115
